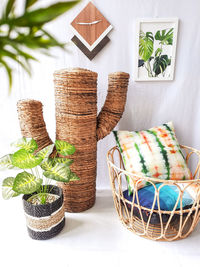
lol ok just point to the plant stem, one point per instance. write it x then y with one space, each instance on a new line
37 172
51 188
54 158
148 68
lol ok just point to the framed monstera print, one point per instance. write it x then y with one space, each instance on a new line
156 49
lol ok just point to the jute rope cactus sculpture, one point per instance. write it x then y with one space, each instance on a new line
77 123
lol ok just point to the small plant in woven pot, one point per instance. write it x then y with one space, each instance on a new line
43 202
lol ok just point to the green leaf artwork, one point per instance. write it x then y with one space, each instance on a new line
160 64
165 37
146 45
155 52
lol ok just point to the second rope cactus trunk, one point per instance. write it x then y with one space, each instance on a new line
77 123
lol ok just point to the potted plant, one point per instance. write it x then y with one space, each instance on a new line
42 201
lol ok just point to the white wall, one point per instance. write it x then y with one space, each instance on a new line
148 103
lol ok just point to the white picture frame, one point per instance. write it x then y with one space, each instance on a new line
162 32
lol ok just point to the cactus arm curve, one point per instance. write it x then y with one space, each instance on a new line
114 105
32 123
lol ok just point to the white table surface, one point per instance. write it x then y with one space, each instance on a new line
92 238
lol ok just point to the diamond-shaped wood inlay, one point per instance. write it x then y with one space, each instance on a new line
90 26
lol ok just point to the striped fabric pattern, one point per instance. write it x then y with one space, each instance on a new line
153 153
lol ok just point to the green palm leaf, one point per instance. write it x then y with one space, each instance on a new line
43 15
26 183
7 188
9 7
29 144
14 41
146 42
64 148
29 3
25 160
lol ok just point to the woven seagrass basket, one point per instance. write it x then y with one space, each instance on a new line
173 225
47 220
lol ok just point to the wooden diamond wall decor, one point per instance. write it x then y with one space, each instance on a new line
90 28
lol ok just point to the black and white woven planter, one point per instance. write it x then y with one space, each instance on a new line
45 221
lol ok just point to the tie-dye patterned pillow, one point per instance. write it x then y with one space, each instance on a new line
153 153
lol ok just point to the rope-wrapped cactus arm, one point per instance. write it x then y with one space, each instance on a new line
114 105
30 114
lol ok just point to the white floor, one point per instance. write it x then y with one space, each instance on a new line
92 238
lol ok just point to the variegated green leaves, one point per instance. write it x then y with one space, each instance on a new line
45 152
58 169
64 148
24 183
27 158
27 144
59 173
6 163
23 158
7 188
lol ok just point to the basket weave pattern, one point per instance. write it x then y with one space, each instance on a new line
180 223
